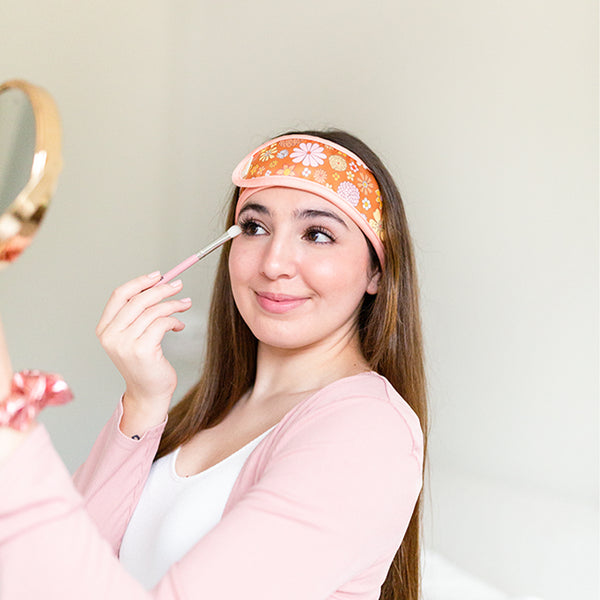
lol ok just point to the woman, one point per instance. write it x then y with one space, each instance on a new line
314 366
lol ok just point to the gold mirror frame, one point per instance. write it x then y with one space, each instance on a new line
21 220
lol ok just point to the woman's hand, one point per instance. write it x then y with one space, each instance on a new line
131 330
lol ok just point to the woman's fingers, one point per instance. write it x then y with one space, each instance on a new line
121 296
147 348
152 337
123 308
134 314
164 309
136 306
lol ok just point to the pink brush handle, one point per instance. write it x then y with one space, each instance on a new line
180 268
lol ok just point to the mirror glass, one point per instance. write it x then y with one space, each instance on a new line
30 162
17 144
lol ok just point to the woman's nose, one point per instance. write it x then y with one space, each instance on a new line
279 258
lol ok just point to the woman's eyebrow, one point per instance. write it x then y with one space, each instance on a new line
310 213
263 210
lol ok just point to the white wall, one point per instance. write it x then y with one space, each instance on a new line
486 114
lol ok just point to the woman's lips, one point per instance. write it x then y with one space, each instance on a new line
279 303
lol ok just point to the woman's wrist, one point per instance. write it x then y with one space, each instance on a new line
138 417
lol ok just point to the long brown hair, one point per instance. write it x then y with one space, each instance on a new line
391 342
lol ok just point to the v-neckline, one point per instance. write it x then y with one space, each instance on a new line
173 465
285 417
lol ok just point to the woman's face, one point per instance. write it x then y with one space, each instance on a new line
299 270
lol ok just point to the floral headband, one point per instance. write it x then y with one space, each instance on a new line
319 166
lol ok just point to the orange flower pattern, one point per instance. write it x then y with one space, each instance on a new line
326 165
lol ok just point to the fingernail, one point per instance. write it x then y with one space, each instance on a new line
186 300
175 283
153 275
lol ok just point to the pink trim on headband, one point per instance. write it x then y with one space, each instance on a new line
318 166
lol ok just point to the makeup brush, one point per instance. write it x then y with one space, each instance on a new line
188 262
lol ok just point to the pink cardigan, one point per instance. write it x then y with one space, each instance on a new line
318 510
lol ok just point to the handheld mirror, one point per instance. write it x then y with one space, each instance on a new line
30 161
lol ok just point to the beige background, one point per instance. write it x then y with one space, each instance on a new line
486 114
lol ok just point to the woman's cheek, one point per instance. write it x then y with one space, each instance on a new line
331 267
238 261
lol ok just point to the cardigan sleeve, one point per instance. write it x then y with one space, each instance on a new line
111 480
336 494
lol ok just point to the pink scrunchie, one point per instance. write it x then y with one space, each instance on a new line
31 391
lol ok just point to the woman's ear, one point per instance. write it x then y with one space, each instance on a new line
373 284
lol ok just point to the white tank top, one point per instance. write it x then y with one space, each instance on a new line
174 512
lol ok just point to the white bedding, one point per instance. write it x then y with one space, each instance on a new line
444 581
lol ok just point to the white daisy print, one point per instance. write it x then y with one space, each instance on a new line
267 153
306 172
309 154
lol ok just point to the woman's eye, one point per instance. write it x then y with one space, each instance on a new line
319 236
251 227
